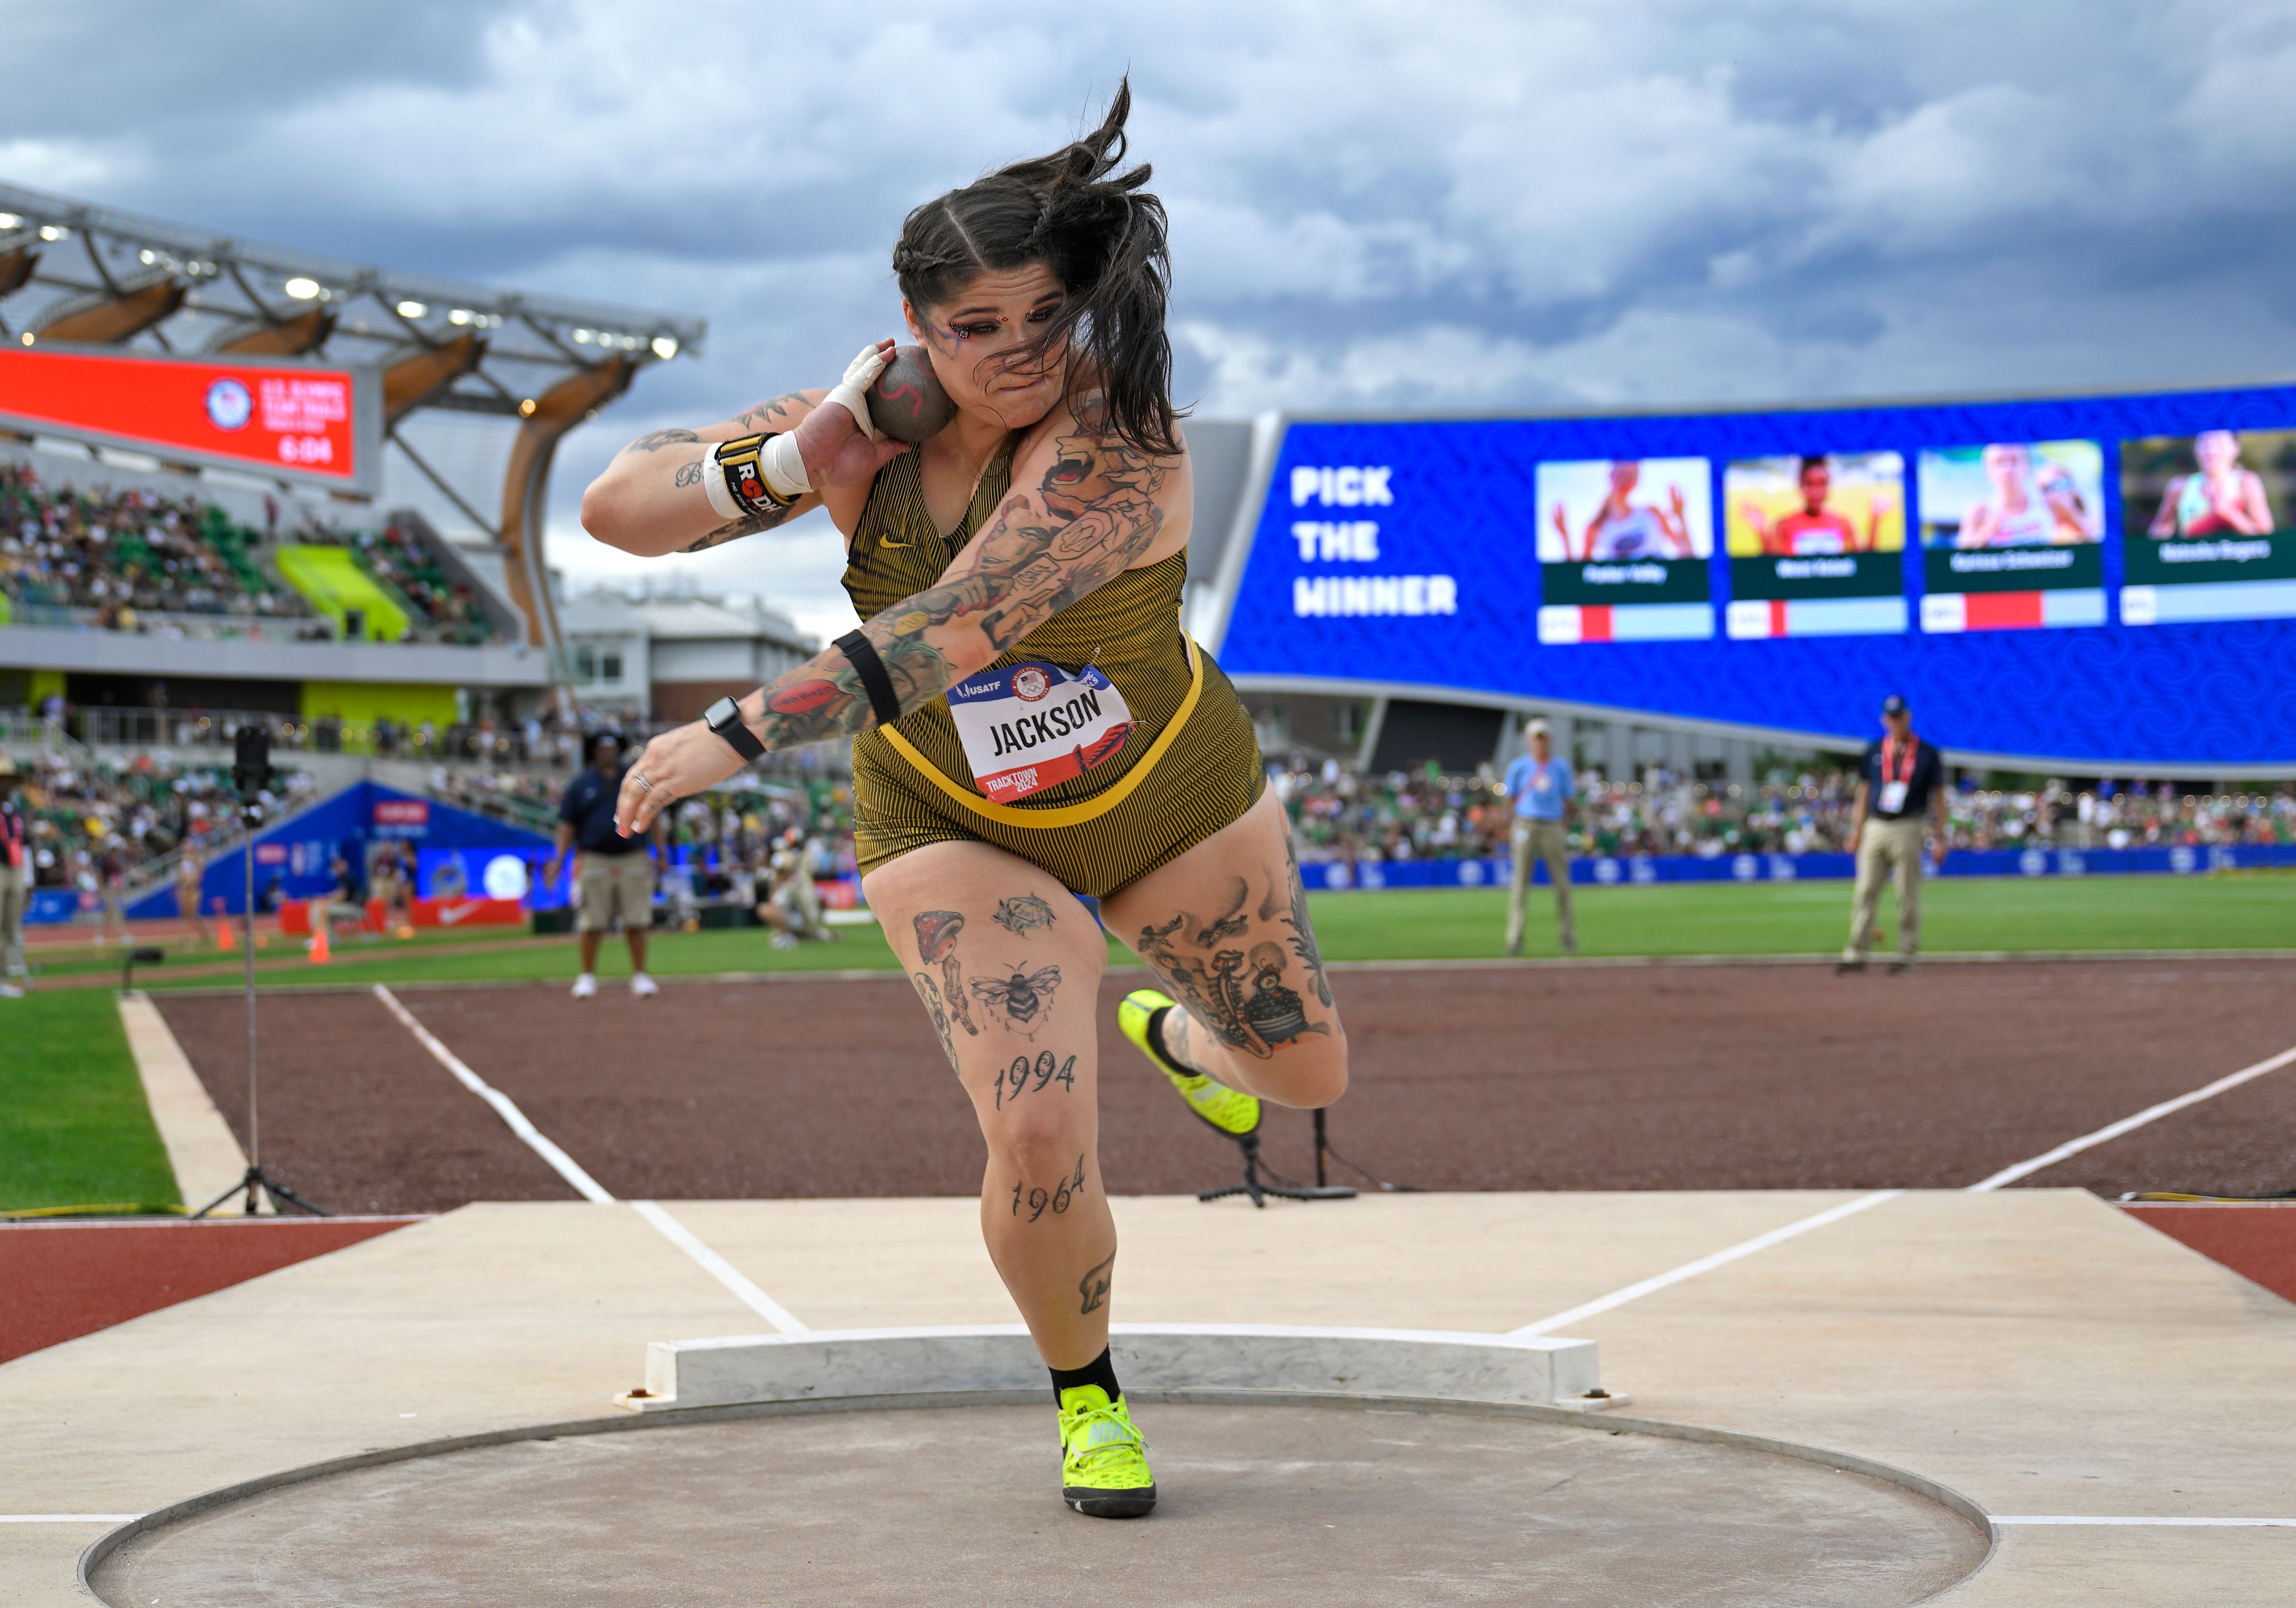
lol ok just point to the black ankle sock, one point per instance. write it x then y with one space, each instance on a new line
1099 1371
1156 1037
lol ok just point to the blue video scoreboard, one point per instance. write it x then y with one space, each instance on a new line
2107 582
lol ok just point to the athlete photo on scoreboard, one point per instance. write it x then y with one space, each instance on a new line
2209 531
1625 510
2013 494
1814 505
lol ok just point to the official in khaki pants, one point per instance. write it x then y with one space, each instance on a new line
1901 782
1540 788
615 875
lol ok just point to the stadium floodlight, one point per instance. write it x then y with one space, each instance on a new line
9 220
303 288
459 315
411 309
665 347
55 231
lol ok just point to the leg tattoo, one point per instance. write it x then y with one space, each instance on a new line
1093 1286
937 931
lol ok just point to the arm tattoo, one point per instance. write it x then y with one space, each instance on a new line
1092 518
749 524
770 415
654 440
690 475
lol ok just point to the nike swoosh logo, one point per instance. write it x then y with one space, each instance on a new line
455 913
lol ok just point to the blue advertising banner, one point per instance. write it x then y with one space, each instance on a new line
1637 870
2106 582
294 858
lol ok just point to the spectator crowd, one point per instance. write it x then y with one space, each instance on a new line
1340 816
128 559
115 556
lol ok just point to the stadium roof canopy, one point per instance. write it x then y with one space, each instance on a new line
73 271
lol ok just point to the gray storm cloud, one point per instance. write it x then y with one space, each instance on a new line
1470 206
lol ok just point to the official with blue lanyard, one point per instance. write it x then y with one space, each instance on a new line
1540 787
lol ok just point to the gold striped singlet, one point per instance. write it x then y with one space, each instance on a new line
1189 766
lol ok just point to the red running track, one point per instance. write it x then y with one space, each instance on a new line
59 1281
2257 1241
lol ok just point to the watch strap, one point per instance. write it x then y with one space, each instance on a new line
724 718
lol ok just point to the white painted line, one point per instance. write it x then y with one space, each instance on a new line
1704 1264
68 1518
567 1168
765 1306
2197 1523
202 1152
2151 1113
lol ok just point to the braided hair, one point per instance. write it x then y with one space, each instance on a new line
1099 233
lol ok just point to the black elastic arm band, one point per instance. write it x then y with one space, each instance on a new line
862 653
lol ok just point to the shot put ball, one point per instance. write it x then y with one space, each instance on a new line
908 402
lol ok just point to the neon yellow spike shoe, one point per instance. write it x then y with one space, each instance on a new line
1103 1457
1231 1110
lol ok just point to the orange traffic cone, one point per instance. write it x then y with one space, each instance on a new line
225 942
320 955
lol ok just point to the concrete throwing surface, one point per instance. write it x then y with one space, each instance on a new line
957 1507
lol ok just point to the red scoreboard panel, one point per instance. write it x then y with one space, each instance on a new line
272 416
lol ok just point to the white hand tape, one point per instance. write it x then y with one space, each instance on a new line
784 466
852 392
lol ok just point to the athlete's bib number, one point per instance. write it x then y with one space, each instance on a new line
1034 725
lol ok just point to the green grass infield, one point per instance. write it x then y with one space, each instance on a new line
74 1128
2097 914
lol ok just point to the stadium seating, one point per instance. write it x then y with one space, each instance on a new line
138 561
120 559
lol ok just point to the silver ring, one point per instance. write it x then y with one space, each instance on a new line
639 777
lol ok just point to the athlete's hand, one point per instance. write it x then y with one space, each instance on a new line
677 765
838 454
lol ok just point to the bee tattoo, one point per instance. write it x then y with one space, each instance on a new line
1022 1002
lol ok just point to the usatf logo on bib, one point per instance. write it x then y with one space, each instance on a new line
1034 725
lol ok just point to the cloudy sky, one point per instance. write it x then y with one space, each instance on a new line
1376 206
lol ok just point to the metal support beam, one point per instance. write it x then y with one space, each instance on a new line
290 338
407 385
119 318
526 487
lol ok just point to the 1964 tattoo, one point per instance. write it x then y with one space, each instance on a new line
1057 1199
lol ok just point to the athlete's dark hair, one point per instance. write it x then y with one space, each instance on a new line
1102 236
1819 462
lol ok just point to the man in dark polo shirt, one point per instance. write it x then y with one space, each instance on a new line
613 873
1900 782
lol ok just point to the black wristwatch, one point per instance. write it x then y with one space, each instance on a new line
724 718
